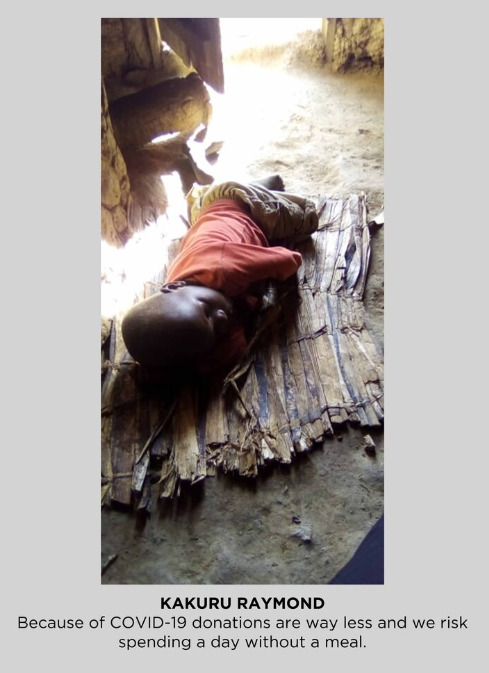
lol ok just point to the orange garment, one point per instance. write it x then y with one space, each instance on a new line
226 251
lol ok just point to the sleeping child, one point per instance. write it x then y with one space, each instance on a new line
237 239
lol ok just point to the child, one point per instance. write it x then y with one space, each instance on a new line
233 244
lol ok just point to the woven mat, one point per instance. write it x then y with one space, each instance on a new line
312 366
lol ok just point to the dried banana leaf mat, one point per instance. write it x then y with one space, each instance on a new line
312 365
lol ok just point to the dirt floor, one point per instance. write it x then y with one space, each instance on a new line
285 112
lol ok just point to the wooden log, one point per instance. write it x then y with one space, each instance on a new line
275 376
124 438
244 429
169 480
161 410
299 382
313 321
376 396
329 236
275 444
329 372
176 105
216 423
139 472
188 461
311 253
356 270
351 379
311 325
106 459
146 164
299 442
198 43
144 497
358 207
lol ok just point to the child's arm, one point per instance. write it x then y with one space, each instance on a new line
244 264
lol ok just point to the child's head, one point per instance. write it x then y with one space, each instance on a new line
175 325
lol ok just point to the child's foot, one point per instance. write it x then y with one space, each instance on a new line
273 182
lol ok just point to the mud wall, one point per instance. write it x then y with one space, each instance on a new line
354 44
133 58
147 91
115 184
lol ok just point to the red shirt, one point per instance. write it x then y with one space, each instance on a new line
226 251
